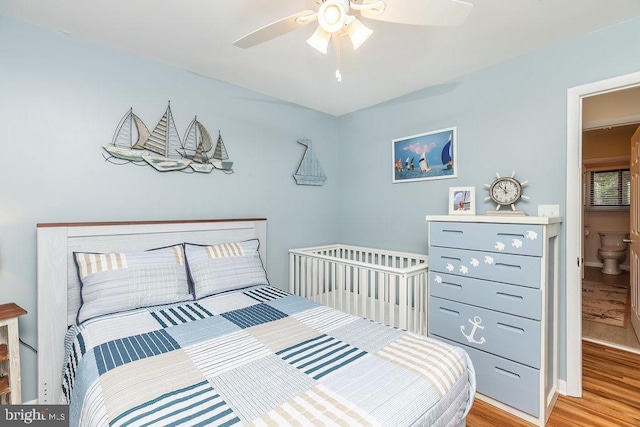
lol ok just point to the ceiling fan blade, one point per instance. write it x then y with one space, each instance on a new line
421 12
276 29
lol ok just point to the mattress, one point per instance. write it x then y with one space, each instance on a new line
259 356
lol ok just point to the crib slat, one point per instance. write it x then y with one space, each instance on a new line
348 289
372 298
392 301
308 279
423 300
383 295
364 290
292 273
403 303
323 293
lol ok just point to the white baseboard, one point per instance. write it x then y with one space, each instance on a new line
562 387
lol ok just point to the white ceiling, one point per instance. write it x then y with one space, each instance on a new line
197 35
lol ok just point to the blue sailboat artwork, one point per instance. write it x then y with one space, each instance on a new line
447 156
309 171
425 156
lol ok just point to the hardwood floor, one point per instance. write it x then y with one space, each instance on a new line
610 397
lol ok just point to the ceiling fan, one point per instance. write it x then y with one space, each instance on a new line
340 17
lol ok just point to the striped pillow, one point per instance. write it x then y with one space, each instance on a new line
115 282
223 267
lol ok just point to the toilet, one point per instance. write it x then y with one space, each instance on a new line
612 250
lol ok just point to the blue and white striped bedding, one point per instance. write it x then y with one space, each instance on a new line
259 356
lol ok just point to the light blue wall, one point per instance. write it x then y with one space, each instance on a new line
61 98
60 101
510 116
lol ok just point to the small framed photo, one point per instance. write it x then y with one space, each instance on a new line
425 156
462 200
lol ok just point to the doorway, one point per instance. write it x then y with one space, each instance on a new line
606 153
574 223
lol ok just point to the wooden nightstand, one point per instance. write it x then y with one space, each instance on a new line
10 389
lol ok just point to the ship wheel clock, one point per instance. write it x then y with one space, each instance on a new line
506 191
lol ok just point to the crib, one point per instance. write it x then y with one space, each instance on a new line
385 286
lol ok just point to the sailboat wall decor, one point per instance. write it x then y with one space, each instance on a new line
309 171
122 145
220 156
162 148
437 156
164 142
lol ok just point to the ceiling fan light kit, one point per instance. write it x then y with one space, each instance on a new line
332 15
334 19
319 40
358 33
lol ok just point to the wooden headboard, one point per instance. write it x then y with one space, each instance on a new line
59 288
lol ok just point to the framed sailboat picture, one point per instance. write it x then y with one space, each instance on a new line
426 156
462 201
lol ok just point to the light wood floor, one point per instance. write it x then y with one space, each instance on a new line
610 398
624 337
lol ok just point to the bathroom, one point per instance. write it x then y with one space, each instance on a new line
603 150
606 154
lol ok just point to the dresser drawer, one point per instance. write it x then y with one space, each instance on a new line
521 239
509 382
511 337
516 300
498 267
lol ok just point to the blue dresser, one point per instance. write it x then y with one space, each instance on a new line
493 291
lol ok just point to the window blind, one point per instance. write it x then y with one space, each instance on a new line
611 188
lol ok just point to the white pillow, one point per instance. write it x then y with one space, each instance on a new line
223 267
115 282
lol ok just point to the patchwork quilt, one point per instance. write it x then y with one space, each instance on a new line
259 356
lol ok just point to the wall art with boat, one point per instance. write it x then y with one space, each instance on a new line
162 147
425 156
309 171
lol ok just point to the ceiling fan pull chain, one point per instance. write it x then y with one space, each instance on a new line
338 74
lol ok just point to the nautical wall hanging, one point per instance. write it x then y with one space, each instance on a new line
309 171
163 149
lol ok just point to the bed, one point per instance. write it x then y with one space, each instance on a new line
231 350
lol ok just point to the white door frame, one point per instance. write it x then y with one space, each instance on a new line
573 220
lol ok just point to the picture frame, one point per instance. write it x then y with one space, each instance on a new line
462 200
425 156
